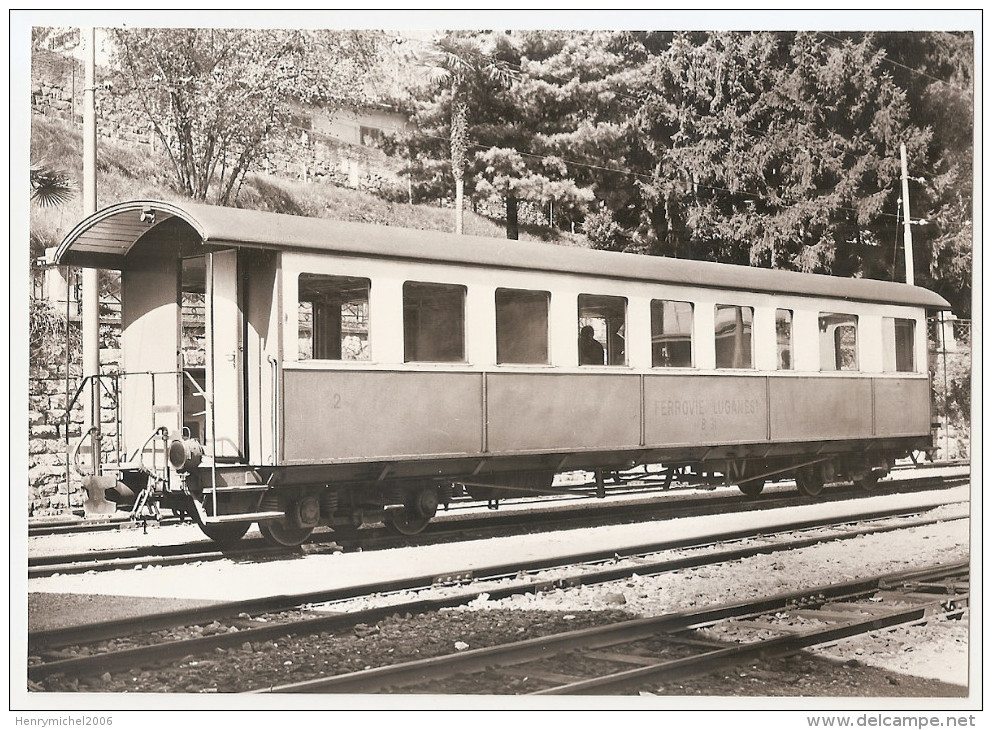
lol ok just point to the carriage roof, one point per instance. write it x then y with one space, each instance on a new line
104 239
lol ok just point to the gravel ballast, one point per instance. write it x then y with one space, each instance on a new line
925 661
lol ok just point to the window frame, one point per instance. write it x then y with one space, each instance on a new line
849 320
365 351
461 289
891 349
691 332
749 330
615 336
532 295
792 340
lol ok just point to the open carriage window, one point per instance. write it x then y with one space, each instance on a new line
733 336
602 330
671 334
433 322
838 341
783 338
333 317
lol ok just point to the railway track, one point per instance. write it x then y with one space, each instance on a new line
623 657
459 527
129 642
627 484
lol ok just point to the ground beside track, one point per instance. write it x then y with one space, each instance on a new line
844 673
227 580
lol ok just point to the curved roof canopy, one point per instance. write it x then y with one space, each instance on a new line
104 239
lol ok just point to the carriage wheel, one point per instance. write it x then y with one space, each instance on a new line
868 483
404 522
282 532
226 533
281 535
752 488
809 480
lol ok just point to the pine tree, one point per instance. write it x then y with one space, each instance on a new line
775 149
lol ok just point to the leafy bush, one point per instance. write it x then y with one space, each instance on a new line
48 330
952 396
604 232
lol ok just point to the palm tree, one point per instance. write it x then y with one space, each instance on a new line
449 65
50 186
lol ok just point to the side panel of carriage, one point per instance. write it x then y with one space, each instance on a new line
478 415
340 416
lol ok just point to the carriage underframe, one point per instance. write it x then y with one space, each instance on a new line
289 502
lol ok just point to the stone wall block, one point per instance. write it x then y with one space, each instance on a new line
43 431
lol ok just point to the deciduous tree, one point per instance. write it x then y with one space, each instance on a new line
215 96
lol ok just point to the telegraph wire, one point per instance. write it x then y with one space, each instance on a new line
635 174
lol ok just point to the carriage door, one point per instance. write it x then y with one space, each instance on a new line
224 372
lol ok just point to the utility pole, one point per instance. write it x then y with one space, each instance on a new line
907 233
91 277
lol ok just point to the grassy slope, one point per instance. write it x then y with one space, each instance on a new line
129 172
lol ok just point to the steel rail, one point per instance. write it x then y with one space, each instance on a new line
69 635
476 660
739 653
40 567
644 485
116 559
98 631
41 643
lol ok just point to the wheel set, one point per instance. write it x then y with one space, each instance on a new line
810 480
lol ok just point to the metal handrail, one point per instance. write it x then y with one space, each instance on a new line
82 384
74 454
275 409
157 433
94 431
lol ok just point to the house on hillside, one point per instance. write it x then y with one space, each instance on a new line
361 127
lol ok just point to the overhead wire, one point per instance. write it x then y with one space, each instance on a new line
886 59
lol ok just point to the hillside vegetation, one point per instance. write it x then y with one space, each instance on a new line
130 172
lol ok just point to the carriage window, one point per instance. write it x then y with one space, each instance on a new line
194 312
602 328
671 334
733 336
783 338
522 326
838 342
433 322
900 344
333 317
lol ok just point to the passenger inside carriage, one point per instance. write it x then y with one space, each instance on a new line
590 351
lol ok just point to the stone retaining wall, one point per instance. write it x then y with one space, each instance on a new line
54 486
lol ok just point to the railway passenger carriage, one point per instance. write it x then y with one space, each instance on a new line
355 373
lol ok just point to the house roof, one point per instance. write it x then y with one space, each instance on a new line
104 239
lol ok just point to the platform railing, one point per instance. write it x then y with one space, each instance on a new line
95 384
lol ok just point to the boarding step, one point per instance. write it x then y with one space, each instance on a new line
246 517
